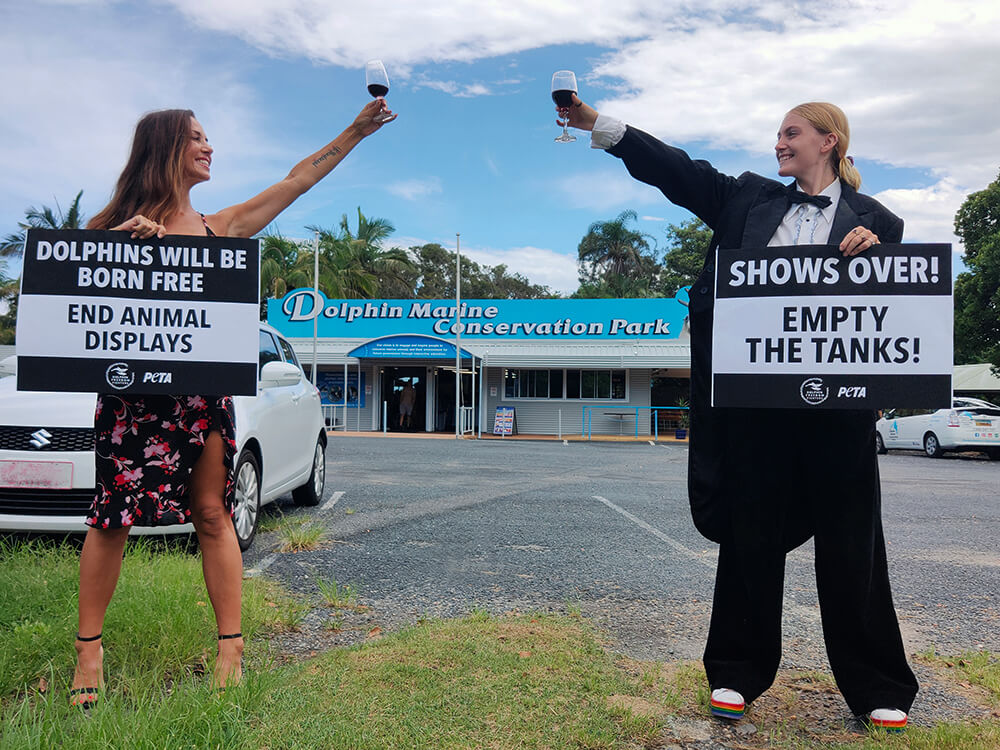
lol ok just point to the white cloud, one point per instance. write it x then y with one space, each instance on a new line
555 270
917 78
415 189
454 88
929 213
74 110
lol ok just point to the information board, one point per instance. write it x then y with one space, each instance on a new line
504 422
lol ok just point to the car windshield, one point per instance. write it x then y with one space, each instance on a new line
974 403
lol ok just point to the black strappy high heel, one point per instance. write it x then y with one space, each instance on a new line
85 697
227 637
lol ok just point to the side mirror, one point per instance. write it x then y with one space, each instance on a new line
277 374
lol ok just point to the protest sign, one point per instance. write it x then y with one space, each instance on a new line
804 327
104 313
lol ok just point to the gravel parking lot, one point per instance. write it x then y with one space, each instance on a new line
431 527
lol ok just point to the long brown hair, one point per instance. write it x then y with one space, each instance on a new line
829 118
153 176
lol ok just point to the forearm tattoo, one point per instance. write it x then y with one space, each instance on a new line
323 157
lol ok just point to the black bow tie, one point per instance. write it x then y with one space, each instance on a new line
797 196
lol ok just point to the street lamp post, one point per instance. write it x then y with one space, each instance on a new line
315 300
458 339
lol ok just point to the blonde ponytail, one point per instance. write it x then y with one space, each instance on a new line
848 172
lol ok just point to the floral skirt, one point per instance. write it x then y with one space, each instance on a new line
146 447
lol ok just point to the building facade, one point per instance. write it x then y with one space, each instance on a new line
563 366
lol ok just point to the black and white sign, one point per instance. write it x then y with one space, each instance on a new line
102 312
804 327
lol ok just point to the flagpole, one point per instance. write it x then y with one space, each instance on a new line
458 338
316 303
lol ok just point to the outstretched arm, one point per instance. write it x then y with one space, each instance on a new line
248 218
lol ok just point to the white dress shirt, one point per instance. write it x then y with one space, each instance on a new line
806 224
803 224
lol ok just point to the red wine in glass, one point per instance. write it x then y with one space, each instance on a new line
563 98
563 88
377 81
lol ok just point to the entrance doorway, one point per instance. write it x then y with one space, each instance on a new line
444 398
405 390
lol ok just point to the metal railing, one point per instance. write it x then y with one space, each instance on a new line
588 416
468 419
334 419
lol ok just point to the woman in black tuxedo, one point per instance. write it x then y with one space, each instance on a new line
762 482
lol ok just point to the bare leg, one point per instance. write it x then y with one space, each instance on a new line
100 566
221 560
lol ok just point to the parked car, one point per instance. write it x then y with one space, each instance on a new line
969 425
47 450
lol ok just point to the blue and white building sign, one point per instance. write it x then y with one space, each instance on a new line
402 347
549 319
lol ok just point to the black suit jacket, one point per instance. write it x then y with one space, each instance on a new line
742 212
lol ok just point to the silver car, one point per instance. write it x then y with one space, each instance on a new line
47 450
969 425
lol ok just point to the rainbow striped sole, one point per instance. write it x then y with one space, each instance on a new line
725 710
894 727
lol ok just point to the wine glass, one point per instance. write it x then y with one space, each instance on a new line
563 88
377 81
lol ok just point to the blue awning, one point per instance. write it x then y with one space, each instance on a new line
408 347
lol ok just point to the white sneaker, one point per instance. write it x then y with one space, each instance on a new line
889 719
727 704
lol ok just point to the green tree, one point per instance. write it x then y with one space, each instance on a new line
977 291
12 246
687 244
617 260
436 277
281 268
393 271
8 298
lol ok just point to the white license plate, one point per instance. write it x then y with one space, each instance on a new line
39 475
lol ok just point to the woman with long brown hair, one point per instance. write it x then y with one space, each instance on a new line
169 459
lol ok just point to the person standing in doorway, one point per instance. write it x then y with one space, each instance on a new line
407 398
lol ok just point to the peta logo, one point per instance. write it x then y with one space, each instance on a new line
157 377
852 391
119 376
813 391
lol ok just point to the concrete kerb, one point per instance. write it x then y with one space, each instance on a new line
554 438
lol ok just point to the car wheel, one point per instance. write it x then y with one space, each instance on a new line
312 491
880 444
931 446
246 509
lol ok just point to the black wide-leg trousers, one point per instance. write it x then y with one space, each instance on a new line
793 474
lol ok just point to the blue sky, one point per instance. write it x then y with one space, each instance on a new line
472 150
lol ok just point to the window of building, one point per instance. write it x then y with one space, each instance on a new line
593 385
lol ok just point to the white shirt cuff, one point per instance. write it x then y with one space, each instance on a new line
607 132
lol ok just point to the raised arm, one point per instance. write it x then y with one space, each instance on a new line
248 218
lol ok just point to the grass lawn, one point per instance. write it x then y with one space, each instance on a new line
517 681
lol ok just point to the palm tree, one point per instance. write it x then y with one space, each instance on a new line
393 268
616 258
355 265
12 245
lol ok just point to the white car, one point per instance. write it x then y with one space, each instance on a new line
969 425
47 450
